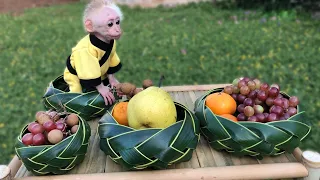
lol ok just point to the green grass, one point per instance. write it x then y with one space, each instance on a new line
34 46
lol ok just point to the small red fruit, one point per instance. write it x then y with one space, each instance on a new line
49 125
27 139
38 139
36 129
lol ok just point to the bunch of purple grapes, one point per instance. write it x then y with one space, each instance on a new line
260 102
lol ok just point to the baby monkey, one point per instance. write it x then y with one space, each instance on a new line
93 60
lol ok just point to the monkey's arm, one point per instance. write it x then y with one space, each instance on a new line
88 69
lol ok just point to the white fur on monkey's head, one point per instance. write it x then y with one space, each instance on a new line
95 5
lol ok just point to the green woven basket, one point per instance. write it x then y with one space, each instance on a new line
87 105
150 148
55 159
250 138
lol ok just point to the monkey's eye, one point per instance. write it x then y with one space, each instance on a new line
110 24
118 22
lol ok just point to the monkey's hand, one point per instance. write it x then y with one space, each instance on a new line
112 80
106 94
115 84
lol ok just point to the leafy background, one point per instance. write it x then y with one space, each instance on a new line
190 44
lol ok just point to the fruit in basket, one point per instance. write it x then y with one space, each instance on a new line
49 125
55 136
248 111
258 101
39 134
74 129
230 117
31 125
221 103
27 139
72 119
61 126
42 117
293 101
38 139
120 113
147 83
36 128
151 108
54 115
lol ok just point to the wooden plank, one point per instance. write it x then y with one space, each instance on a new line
181 99
111 166
262 171
221 158
204 156
194 161
82 167
117 167
266 160
21 172
97 158
291 157
189 102
14 165
204 87
175 96
236 160
246 160
283 158
297 153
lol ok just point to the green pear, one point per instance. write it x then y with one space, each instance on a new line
151 108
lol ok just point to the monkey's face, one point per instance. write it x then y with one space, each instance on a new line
107 24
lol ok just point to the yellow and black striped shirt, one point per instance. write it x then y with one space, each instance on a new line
90 62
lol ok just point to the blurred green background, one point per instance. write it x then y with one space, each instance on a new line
190 44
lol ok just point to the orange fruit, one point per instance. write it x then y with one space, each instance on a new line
221 103
119 113
230 117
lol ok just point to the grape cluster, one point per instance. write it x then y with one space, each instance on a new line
259 101
50 128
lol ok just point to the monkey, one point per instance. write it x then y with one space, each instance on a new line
94 61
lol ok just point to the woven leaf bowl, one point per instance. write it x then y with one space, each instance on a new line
58 158
250 138
87 105
150 148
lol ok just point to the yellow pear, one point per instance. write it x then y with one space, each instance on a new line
151 108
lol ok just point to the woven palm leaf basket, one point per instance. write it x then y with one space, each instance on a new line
54 158
150 148
250 138
87 105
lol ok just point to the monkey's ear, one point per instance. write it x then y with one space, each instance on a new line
89 26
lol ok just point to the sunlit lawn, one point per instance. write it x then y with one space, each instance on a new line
194 44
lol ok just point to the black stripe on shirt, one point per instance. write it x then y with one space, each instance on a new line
89 83
100 44
70 68
106 55
114 69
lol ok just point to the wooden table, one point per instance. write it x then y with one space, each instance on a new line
206 162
